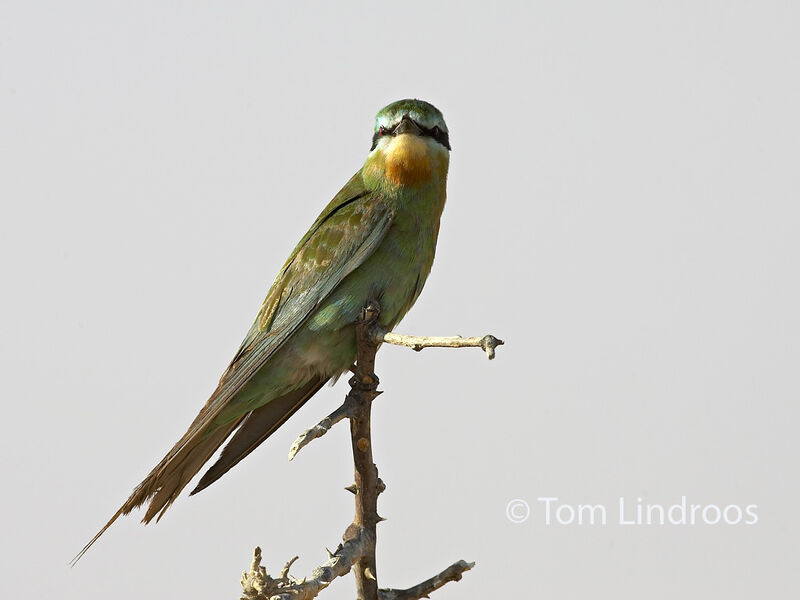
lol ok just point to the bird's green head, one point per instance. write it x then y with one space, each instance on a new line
411 116
410 144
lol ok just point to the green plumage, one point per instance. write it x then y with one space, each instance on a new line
375 240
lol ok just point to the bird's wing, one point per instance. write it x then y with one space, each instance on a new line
347 231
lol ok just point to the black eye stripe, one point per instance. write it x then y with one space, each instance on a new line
435 132
440 136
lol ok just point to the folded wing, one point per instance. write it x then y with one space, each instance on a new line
347 232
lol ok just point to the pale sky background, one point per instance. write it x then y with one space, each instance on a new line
623 211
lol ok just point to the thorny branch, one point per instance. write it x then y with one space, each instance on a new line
363 390
258 585
357 551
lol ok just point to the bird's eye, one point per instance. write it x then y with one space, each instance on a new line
382 130
436 131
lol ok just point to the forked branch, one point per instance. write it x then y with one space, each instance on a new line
357 552
258 585
376 335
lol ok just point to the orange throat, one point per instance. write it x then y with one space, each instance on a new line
408 160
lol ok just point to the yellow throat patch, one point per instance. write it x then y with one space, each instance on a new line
408 160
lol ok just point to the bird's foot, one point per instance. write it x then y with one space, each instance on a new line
368 382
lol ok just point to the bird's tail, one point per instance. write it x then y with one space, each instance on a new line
256 427
166 481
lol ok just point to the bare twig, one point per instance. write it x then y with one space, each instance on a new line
285 570
345 411
258 585
376 335
358 550
422 590
417 342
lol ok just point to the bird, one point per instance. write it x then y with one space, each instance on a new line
375 240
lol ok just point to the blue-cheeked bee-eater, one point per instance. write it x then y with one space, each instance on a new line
375 240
